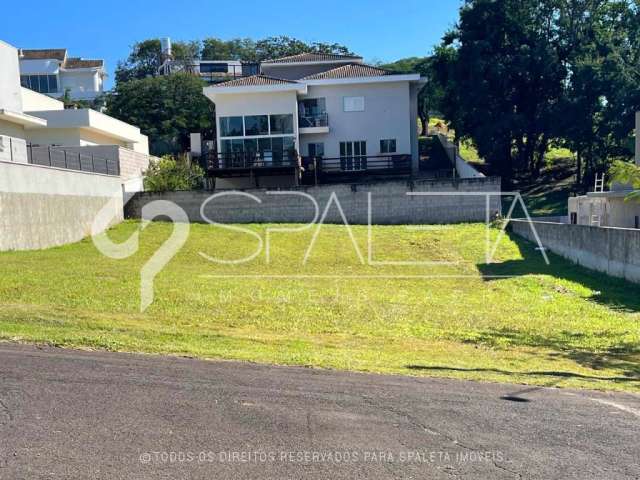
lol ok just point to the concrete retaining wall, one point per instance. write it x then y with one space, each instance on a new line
614 251
452 201
42 207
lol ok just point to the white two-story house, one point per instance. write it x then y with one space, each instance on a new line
314 118
52 72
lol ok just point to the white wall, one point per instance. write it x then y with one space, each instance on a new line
83 84
33 101
10 95
257 104
385 116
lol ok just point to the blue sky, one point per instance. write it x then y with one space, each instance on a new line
382 30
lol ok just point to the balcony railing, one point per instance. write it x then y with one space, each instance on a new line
368 164
250 160
71 160
311 121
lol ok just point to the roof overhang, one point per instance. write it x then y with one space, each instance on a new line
213 91
313 62
22 118
90 120
413 77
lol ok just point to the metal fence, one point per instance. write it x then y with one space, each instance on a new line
71 160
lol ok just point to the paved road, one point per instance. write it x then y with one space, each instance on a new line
68 414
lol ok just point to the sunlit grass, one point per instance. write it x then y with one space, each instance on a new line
515 320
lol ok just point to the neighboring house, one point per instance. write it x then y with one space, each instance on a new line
343 117
52 72
35 128
608 208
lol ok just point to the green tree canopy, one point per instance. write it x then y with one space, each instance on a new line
166 108
519 75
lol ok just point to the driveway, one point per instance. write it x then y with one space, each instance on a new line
70 414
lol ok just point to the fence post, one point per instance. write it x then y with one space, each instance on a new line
65 159
93 165
49 151
11 149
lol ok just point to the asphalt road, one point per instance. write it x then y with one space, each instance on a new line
69 414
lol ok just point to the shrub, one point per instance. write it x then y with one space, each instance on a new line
170 174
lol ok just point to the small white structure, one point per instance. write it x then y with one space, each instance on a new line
52 72
608 208
35 128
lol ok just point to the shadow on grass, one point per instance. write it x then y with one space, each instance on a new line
543 373
615 293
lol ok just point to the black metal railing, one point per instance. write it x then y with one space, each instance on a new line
310 121
228 72
250 160
71 160
364 164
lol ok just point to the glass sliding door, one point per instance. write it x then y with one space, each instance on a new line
353 156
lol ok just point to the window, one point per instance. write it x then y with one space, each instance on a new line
316 149
388 146
312 106
281 124
353 155
214 68
353 104
256 125
230 126
574 218
40 83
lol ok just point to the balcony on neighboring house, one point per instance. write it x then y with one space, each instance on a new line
212 71
312 116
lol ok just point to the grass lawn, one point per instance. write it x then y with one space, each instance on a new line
516 320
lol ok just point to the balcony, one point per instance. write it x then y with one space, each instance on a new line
354 168
317 123
244 162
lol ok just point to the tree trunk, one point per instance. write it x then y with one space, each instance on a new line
424 119
579 168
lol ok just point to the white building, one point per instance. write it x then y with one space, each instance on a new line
52 72
35 128
608 208
343 117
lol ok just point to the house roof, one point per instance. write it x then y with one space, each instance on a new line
352 70
44 54
77 62
254 80
313 57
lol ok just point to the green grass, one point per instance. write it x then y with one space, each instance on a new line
516 320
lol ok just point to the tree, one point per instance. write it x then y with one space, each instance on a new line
145 58
430 97
282 46
499 71
166 108
172 174
235 49
629 174
521 75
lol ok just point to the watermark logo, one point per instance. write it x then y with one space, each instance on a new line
164 209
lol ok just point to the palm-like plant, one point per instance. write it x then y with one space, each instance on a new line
629 174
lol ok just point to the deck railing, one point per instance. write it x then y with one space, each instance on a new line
365 164
250 160
72 160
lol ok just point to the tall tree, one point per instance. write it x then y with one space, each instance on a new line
166 108
499 71
145 58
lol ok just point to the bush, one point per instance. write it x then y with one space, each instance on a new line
170 174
